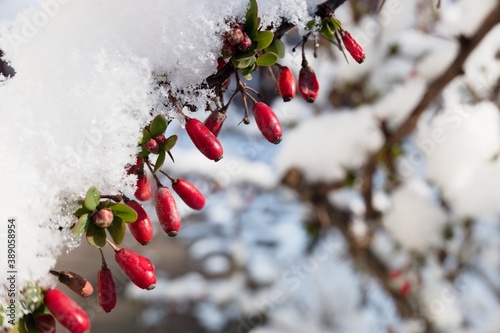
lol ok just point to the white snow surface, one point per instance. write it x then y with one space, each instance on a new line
414 218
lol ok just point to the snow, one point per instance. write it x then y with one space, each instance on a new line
348 146
461 162
414 219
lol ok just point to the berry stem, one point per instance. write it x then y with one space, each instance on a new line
339 41
172 179
273 77
304 41
115 248
246 119
103 260
157 180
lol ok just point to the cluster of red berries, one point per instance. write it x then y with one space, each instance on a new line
96 216
164 201
308 83
138 269
236 40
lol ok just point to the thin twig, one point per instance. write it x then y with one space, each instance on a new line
467 45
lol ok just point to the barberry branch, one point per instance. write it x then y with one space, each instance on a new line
467 45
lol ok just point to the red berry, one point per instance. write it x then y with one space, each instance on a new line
103 218
75 282
152 146
405 288
234 36
189 194
287 84
308 84
66 311
215 121
206 142
353 47
139 269
267 122
394 274
106 290
45 323
143 191
142 228
245 44
167 212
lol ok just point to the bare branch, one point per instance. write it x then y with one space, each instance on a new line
467 45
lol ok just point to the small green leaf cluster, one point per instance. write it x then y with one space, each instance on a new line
325 27
155 131
96 236
265 49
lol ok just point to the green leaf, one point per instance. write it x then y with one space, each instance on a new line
242 63
158 126
253 9
326 31
244 55
82 226
92 198
146 135
21 326
278 47
117 230
311 24
96 236
104 204
80 211
264 39
251 19
143 153
124 212
169 143
247 72
159 161
267 59
333 23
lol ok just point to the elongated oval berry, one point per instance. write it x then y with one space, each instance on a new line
142 228
308 84
267 122
286 84
106 290
143 191
206 142
166 209
139 269
66 311
189 194
215 121
75 282
354 49
45 323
